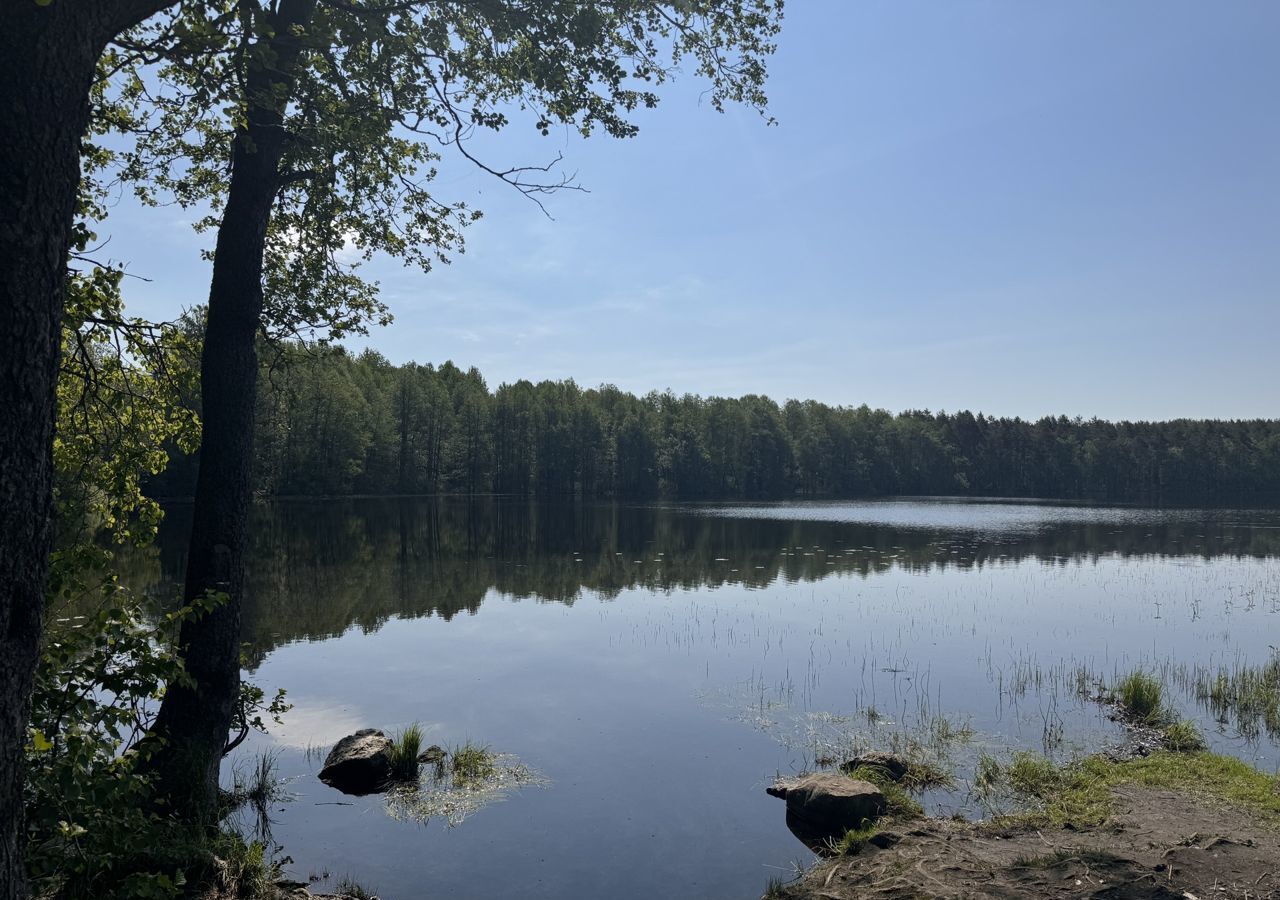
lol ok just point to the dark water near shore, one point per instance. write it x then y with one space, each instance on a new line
659 665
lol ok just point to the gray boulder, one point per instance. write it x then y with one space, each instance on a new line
433 754
360 763
830 803
894 766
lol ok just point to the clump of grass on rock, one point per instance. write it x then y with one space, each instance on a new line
405 748
900 779
1141 695
898 802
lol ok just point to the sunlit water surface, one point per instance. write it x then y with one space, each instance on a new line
658 666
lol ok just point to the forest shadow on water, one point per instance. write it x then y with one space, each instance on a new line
317 567
658 665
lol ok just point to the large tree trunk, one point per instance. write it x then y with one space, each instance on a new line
194 720
46 68
48 56
43 103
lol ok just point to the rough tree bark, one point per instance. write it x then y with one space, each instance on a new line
194 721
48 56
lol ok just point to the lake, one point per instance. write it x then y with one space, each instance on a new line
657 666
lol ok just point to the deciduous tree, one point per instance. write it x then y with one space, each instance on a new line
313 128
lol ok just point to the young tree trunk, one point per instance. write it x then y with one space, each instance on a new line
194 721
48 56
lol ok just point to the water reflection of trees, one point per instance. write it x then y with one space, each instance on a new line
318 567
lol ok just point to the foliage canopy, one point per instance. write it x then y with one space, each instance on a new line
380 93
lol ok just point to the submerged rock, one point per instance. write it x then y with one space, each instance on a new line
433 754
828 803
360 763
891 764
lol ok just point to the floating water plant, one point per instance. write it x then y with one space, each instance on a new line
470 778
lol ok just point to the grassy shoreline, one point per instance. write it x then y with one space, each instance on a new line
1124 817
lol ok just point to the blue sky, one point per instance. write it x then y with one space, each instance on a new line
1026 208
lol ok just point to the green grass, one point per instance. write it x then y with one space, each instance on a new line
1209 775
926 776
944 733
1142 697
241 869
1183 737
852 840
1248 694
900 803
920 776
405 747
1033 775
988 774
472 762
1080 794
263 785
258 788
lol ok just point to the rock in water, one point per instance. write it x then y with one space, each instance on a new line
893 766
830 803
360 763
433 754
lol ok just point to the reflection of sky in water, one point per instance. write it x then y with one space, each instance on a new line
994 516
659 706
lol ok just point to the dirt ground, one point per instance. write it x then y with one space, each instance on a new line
1159 844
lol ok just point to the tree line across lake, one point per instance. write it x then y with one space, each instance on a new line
330 422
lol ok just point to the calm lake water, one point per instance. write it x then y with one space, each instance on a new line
659 665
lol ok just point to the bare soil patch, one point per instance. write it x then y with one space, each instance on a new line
1158 844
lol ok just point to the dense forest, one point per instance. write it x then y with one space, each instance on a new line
333 423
